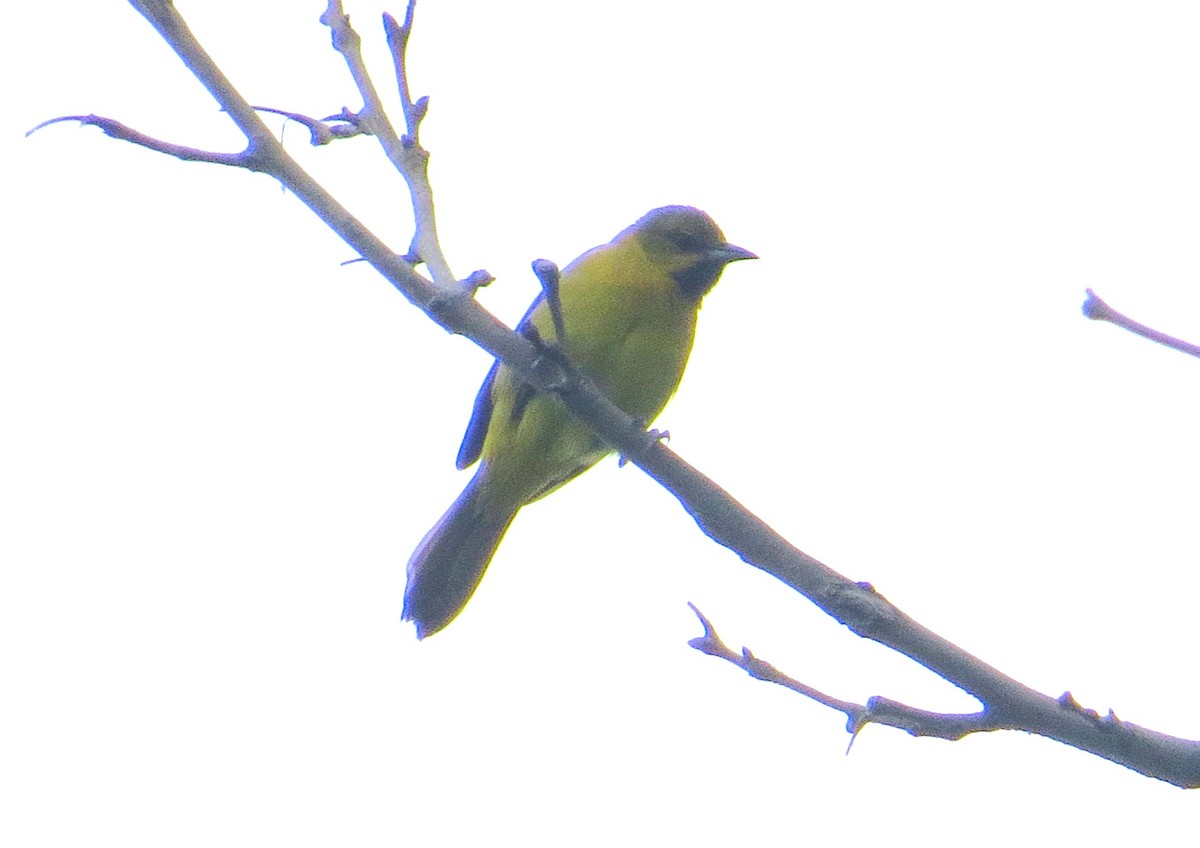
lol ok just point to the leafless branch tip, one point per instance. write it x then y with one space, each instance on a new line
1096 309
121 132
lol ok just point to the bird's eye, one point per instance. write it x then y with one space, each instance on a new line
686 241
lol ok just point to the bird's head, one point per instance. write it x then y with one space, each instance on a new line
689 244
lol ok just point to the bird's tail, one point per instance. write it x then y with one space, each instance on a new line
449 563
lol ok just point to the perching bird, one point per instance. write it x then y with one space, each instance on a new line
629 313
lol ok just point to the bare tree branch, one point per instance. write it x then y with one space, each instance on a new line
117 130
1006 702
323 130
1098 310
405 152
1015 707
876 711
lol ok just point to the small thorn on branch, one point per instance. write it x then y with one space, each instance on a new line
421 107
403 257
464 290
708 642
652 437
477 280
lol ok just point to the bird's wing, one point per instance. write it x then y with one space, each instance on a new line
481 412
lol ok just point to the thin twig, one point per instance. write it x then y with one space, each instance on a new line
121 132
405 154
397 39
1146 751
1098 310
917 722
322 130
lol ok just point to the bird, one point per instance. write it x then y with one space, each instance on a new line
628 313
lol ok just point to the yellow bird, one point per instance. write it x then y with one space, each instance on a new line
629 314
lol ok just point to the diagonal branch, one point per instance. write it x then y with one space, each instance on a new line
1146 751
1007 703
1098 310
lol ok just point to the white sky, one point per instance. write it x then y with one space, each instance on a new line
219 447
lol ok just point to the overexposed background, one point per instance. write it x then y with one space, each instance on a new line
219 446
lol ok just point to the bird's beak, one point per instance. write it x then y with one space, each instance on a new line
727 253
